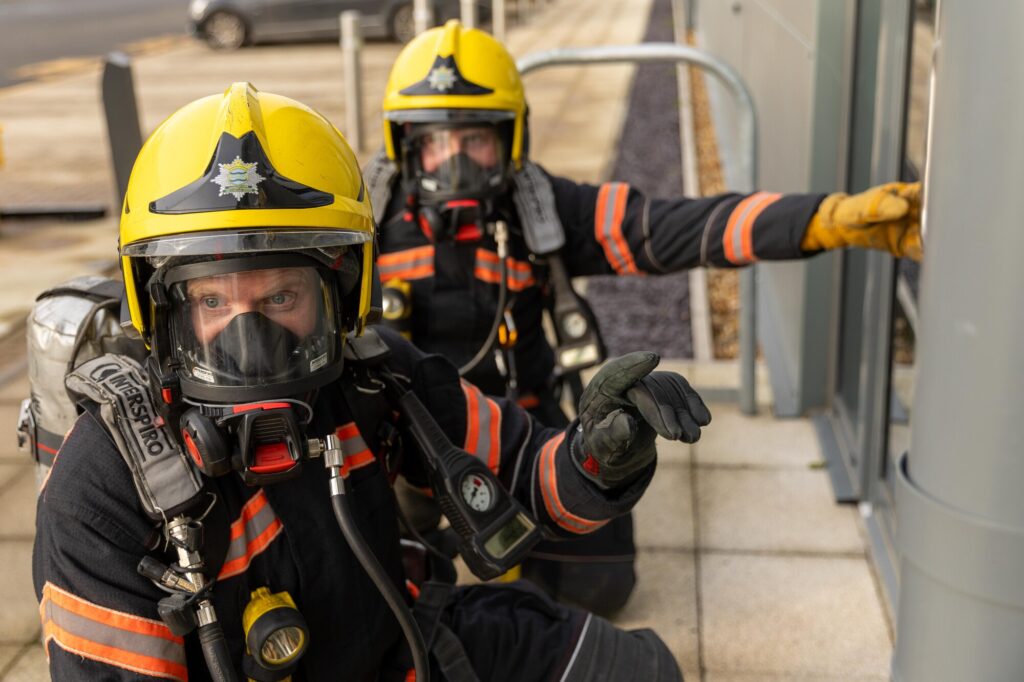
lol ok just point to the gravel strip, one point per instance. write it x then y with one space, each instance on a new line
650 313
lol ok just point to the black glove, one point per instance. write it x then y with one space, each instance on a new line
621 411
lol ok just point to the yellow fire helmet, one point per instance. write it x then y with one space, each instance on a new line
230 183
452 74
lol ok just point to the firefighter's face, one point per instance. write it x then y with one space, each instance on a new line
288 296
479 143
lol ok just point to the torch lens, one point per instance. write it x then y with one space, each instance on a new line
283 645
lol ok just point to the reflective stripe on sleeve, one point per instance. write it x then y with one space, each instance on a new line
488 269
549 490
738 237
483 427
255 529
118 639
357 453
608 217
417 263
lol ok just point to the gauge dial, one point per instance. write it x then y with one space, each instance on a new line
477 493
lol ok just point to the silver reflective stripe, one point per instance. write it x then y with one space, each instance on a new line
253 532
351 442
607 226
483 427
576 650
737 231
119 639
400 264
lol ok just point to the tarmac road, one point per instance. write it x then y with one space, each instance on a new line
43 37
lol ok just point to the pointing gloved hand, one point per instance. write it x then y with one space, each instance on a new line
886 217
622 409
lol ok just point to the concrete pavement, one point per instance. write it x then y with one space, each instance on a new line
746 567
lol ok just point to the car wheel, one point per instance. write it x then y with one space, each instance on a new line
225 31
403 24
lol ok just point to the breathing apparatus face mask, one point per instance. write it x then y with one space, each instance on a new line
458 162
249 345
251 329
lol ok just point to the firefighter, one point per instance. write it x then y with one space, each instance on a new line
477 243
187 527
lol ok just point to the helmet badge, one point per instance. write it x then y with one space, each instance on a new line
442 77
238 178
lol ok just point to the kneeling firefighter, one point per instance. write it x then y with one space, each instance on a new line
224 510
478 244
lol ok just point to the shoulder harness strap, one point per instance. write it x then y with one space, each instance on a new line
367 348
165 480
379 175
535 202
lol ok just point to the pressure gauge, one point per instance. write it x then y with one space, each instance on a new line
477 493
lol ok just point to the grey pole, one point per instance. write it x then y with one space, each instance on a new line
422 15
659 52
122 116
498 20
351 46
467 10
959 492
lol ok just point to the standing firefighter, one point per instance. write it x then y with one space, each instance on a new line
188 529
477 243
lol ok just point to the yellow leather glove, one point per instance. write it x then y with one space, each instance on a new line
886 217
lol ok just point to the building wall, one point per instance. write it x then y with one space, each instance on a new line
795 57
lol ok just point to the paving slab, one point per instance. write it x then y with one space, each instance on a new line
9 472
665 600
776 510
792 616
663 519
713 676
8 652
31 667
19 618
18 503
733 439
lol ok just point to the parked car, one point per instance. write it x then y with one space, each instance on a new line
230 24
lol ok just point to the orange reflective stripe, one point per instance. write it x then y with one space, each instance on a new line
608 217
416 263
355 450
488 269
483 427
257 526
119 639
738 237
549 491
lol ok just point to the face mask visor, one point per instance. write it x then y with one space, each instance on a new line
464 162
253 328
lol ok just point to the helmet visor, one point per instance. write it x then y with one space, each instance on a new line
459 161
254 327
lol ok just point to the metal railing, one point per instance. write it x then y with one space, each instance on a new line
747 115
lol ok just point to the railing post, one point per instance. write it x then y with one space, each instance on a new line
422 15
498 16
351 47
467 10
660 52
122 114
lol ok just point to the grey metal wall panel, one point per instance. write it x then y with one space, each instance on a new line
795 57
